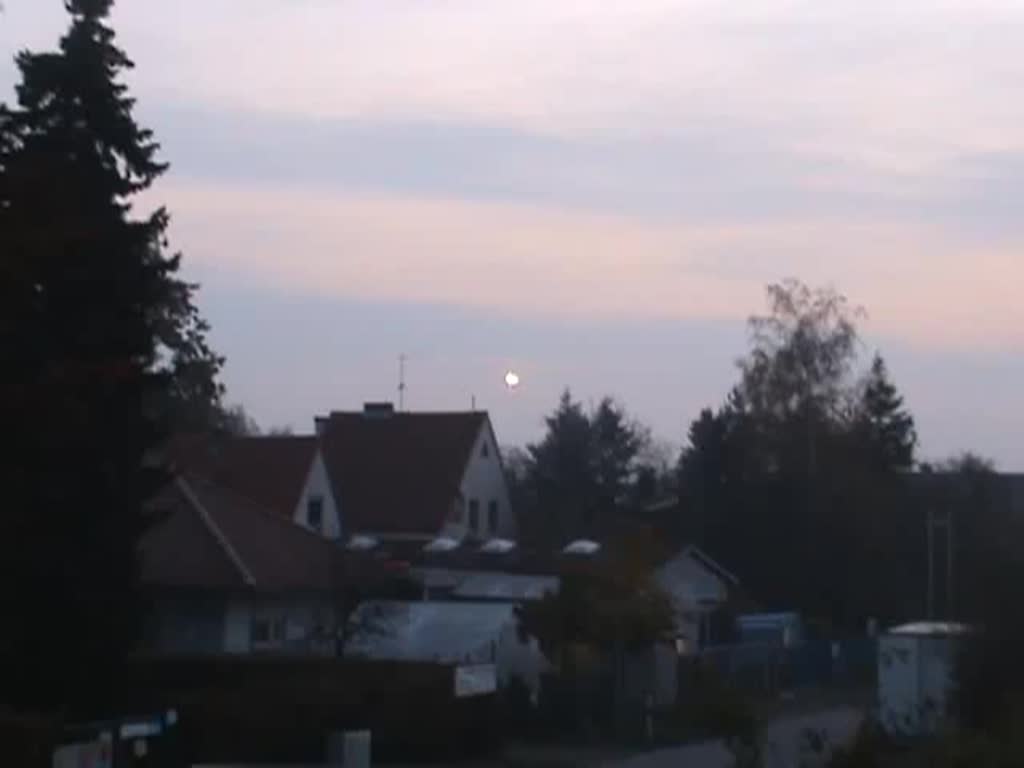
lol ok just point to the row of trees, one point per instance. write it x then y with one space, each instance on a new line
798 479
805 480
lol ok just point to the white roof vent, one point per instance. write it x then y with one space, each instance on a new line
362 543
497 546
932 629
582 547
441 544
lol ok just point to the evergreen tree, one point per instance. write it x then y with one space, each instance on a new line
793 477
584 470
101 348
702 462
616 445
560 475
889 427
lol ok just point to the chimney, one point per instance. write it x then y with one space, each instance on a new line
378 410
320 425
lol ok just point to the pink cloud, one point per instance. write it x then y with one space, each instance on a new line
917 282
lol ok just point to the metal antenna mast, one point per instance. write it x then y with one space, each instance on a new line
401 382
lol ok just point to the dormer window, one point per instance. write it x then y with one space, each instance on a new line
492 515
315 512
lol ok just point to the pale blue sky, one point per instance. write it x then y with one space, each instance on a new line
592 192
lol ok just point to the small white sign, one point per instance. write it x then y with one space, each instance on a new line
475 680
140 747
140 730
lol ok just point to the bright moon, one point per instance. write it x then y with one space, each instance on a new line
511 379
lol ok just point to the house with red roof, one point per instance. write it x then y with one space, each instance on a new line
415 476
227 575
247 554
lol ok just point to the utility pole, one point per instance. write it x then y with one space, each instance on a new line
941 522
949 564
401 382
930 534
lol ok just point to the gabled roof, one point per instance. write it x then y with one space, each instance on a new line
270 471
213 538
398 472
711 564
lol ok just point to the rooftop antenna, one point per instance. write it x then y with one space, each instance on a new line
401 382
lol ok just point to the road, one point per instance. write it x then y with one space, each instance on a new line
784 739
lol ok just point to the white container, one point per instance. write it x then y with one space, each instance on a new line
350 749
916 674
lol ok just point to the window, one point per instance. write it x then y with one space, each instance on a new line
259 631
315 512
484 450
266 631
492 515
474 515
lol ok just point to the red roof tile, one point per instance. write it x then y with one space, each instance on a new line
214 538
270 471
398 472
182 551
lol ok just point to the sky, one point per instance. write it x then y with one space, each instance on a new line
594 194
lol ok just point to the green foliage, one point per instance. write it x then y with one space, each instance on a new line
585 469
235 420
613 605
802 354
800 471
102 351
886 425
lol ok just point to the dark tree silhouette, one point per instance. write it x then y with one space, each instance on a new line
888 426
792 482
101 349
584 470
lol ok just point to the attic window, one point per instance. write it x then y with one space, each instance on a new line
265 631
315 512
484 450
259 631
492 515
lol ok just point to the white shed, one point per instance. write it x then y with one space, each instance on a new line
916 665
448 633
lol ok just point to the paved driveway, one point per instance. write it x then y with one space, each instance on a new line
784 739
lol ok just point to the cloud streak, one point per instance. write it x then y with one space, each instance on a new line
558 262
897 84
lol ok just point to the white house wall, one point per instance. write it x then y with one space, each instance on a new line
690 583
484 480
694 590
318 484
